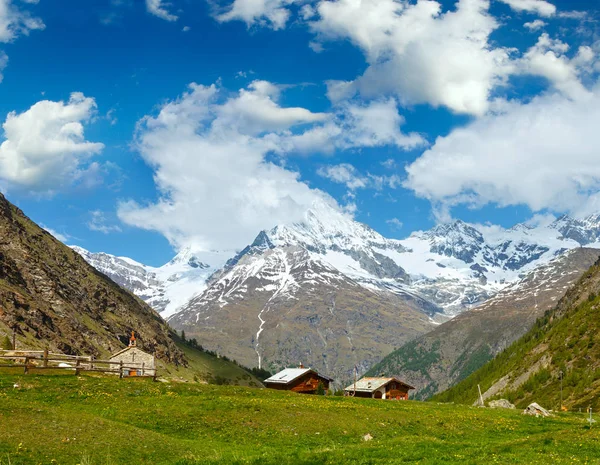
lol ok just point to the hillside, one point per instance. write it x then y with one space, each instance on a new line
455 349
564 339
52 298
104 421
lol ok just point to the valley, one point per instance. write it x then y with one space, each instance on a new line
334 294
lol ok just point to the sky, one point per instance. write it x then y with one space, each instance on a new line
140 127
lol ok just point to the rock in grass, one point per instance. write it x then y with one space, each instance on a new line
500 403
367 437
536 410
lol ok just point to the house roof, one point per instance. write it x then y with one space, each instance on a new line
125 350
372 384
290 374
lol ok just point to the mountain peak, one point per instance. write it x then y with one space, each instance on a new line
187 256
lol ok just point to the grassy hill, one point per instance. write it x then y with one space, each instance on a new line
205 367
103 421
565 340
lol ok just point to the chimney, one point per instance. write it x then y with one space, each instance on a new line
301 366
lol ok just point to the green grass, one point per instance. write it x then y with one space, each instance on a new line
102 421
205 367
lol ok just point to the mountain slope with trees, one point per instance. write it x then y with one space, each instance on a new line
564 343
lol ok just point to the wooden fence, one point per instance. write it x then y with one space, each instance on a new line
43 360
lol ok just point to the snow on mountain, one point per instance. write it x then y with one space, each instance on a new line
453 266
164 288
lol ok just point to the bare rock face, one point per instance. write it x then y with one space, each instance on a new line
281 307
51 297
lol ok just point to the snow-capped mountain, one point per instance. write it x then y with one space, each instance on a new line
332 292
164 288
454 266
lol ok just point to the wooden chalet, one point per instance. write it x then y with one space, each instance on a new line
302 380
379 388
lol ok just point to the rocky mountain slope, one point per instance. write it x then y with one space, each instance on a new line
52 297
455 349
165 288
438 273
283 307
563 343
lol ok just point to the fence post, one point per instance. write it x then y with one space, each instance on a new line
45 364
143 373
121 369
77 366
92 362
26 365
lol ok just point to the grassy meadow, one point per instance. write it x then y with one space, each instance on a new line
93 420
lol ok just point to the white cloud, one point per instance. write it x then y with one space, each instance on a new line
45 147
270 13
217 188
540 7
346 174
543 155
159 8
15 22
579 15
61 237
535 25
353 125
395 223
547 58
418 52
98 222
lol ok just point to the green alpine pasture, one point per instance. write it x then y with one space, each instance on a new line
65 419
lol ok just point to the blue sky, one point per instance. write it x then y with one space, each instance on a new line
449 110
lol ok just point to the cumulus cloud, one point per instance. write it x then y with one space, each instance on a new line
356 124
418 52
540 7
269 13
217 188
45 147
543 154
535 25
15 22
213 155
548 58
159 8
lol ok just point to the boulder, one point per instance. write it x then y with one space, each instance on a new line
500 403
536 410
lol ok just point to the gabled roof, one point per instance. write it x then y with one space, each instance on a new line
290 374
372 384
125 350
